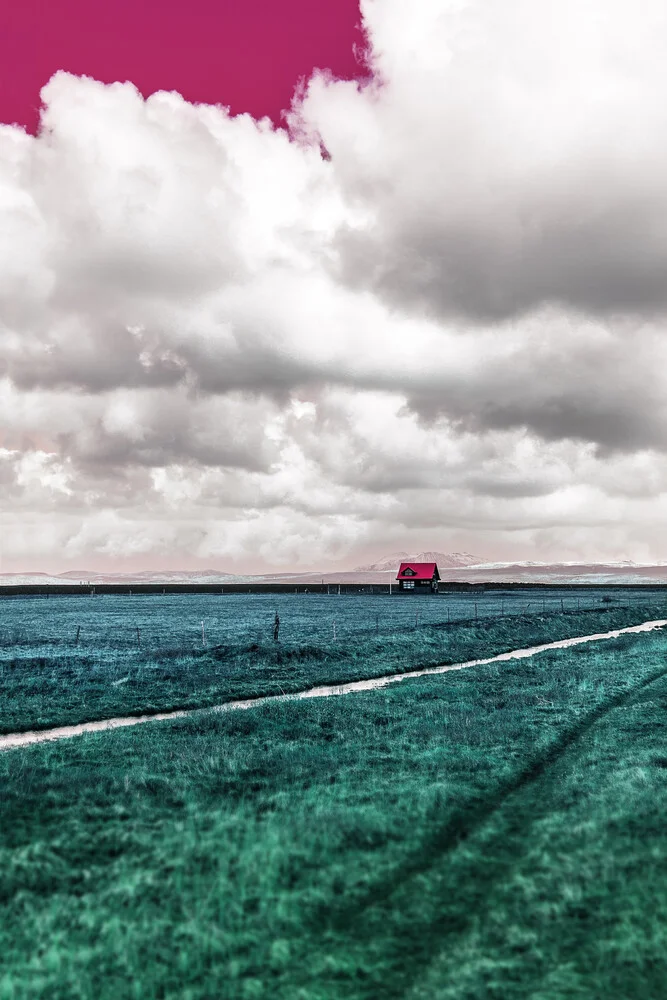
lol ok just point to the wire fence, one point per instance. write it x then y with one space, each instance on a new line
175 622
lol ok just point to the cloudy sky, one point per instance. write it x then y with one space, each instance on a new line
303 290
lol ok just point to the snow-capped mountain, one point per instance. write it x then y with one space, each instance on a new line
445 560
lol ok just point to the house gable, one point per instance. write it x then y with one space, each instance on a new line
423 572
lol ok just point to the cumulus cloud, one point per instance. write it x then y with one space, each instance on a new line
508 156
219 344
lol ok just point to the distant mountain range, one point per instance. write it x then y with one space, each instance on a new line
445 560
453 566
147 576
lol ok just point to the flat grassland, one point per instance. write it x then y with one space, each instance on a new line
43 687
498 832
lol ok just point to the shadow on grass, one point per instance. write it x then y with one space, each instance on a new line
438 893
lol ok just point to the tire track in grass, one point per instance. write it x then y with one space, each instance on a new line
420 941
12 741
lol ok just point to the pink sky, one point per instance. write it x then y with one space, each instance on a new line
247 54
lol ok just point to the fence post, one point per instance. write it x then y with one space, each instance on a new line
276 627
78 633
203 635
138 636
475 609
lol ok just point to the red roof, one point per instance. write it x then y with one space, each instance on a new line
420 571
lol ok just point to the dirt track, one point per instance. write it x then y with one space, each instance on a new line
13 740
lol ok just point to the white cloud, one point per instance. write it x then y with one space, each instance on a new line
217 344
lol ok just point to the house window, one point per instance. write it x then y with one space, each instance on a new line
409 584
408 572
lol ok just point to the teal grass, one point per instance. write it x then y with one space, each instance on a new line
44 687
497 832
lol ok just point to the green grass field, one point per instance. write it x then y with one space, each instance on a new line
45 687
492 833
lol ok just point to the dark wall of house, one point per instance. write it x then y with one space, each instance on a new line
420 587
